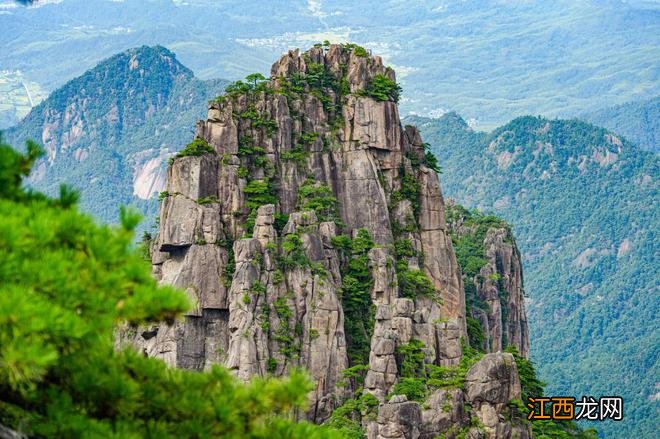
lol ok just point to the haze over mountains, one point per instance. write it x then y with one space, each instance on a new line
639 122
488 60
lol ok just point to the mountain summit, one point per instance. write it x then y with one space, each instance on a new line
109 131
308 227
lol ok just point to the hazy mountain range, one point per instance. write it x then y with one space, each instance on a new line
639 122
488 60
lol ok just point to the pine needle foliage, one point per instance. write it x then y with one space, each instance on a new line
66 283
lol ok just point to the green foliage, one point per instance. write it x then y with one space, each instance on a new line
531 386
361 52
411 359
412 283
196 148
66 284
293 253
403 248
319 198
342 243
253 156
145 245
430 160
637 121
469 247
476 334
14 167
230 267
259 192
415 283
258 120
410 190
355 376
207 200
418 378
445 377
247 148
156 105
271 365
357 50
297 154
254 83
284 335
382 88
242 172
546 429
321 83
280 221
468 229
347 418
414 388
356 295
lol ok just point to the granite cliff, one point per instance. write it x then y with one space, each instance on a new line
308 227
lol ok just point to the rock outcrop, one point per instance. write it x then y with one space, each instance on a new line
308 228
496 288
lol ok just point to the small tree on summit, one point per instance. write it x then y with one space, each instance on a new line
254 78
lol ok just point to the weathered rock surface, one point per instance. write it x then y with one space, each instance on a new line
260 264
500 288
489 386
481 410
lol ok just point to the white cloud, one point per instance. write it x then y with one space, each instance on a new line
299 39
40 3
437 112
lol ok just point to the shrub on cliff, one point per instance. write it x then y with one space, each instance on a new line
382 88
65 284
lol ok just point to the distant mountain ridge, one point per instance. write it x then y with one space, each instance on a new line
583 204
491 60
110 131
638 121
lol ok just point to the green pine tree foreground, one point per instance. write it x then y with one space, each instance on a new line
66 283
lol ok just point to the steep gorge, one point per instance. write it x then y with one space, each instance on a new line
308 228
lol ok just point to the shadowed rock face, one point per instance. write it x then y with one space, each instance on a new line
265 278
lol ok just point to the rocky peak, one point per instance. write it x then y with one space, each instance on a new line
493 278
353 63
307 226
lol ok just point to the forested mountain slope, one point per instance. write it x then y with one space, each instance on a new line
109 132
583 205
638 121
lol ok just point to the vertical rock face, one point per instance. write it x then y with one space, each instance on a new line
498 297
504 265
262 226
